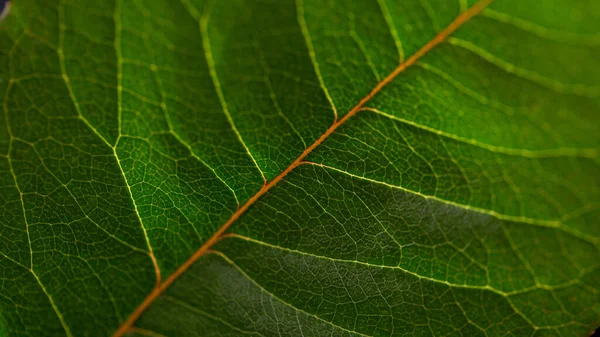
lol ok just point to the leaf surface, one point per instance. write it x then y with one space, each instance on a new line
308 168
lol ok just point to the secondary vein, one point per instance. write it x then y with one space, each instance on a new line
117 20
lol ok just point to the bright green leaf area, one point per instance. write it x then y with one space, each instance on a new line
461 200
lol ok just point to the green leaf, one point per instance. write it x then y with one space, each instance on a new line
308 168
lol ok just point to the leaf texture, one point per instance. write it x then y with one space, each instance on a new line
300 168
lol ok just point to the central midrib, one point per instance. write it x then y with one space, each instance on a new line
160 288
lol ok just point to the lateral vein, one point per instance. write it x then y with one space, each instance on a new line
203 26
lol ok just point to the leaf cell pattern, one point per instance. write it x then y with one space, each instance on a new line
300 168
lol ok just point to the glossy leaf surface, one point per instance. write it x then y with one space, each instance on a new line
307 168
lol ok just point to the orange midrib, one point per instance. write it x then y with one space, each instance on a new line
453 26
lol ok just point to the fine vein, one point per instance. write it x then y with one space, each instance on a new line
557 223
232 236
511 151
117 20
203 23
248 277
311 53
